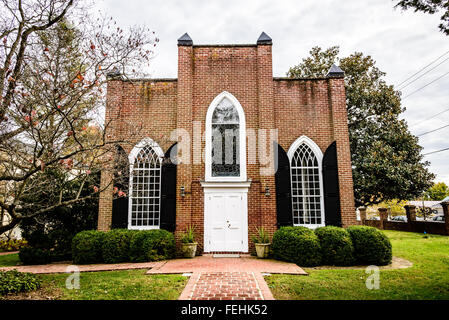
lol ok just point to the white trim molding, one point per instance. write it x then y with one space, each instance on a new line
319 156
144 142
208 186
242 139
310 143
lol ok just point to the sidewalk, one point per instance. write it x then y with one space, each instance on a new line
8 252
62 267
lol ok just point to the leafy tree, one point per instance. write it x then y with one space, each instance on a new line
54 229
54 63
431 7
437 192
386 158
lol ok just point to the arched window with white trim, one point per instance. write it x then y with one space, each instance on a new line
145 185
306 183
225 140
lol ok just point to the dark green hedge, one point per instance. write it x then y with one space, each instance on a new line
30 255
297 244
13 281
336 246
371 245
122 245
152 245
116 245
87 247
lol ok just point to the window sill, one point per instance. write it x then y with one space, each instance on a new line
143 227
310 226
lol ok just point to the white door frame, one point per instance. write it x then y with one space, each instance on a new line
226 188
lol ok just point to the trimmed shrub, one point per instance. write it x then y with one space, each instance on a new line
61 249
122 245
371 246
336 246
152 245
30 255
115 246
13 281
297 244
87 247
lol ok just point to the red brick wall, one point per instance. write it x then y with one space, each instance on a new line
314 107
136 110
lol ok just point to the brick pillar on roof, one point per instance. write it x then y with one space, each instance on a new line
184 122
337 97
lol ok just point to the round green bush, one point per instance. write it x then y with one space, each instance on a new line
336 246
152 245
297 244
371 246
115 246
14 281
30 255
87 247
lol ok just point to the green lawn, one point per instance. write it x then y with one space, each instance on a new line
428 278
110 285
9 260
118 285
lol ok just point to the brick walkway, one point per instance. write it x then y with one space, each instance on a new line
226 286
226 278
8 252
207 263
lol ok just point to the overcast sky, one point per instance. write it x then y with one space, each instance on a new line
401 42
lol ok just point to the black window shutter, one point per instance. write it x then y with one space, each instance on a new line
331 187
283 188
120 213
121 181
168 190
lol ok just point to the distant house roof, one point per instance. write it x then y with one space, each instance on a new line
426 203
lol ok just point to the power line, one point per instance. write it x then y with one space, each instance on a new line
422 75
430 118
419 135
426 85
426 154
423 68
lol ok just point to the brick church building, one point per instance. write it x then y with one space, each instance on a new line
228 148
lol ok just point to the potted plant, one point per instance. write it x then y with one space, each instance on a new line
262 243
188 243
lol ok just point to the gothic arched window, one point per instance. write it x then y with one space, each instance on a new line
225 140
307 189
145 185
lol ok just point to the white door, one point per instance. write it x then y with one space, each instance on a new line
225 220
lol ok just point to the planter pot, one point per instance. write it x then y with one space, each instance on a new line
262 250
189 249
